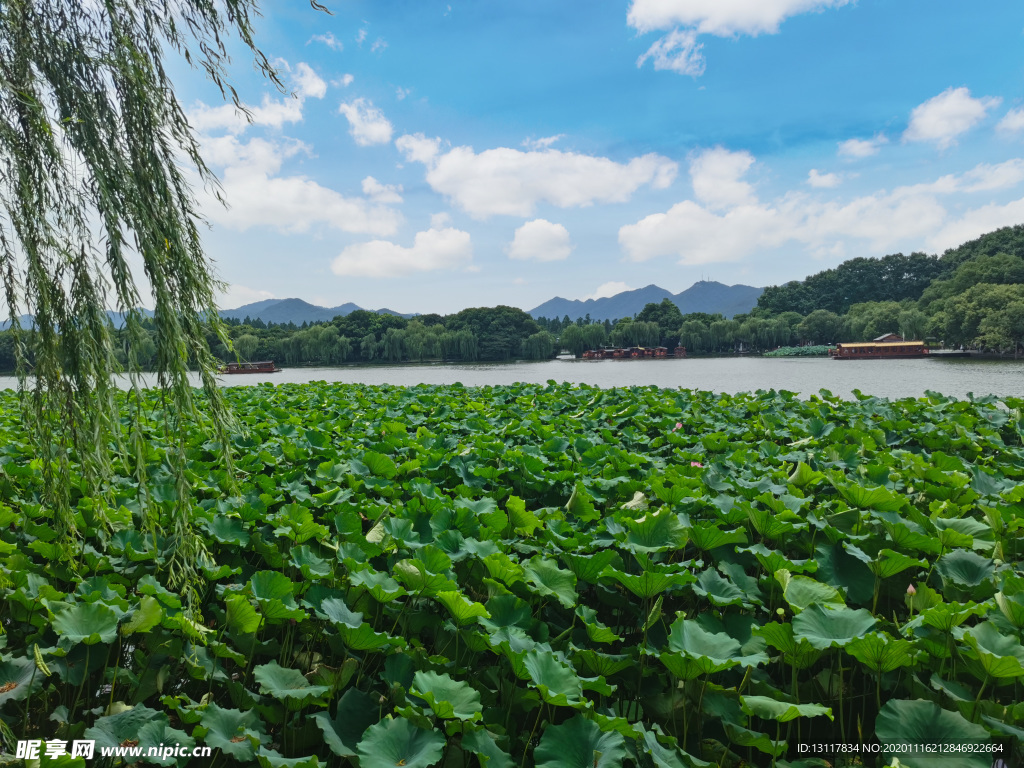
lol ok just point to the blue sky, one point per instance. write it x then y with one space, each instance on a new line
439 155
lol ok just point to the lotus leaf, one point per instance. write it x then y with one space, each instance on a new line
597 631
271 758
19 678
146 615
803 591
551 581
221 729
924 722
394 742
824 627
880 652
87 623
588 568
742 737
965 568
650 582
657 531
1012 607
998 654
286 684
447 698
462 609
557 682
579 743
356 712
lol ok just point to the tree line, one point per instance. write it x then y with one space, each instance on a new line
971 296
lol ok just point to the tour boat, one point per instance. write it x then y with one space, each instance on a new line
261 366
878 350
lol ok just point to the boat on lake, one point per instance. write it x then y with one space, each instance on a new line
260 366
613 353
887 347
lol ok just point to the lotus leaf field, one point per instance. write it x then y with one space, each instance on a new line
528 575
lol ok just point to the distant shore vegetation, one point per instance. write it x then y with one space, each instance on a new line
970 297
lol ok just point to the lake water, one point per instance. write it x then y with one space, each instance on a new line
884 378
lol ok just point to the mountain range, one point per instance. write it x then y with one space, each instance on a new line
284 311
704 296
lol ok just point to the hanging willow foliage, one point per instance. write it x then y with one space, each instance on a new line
93 145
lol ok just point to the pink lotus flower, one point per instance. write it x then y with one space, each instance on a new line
696 464
679 425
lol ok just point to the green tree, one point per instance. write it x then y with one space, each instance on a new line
965 319
667 316
594 335
820 327
246 345
94 145
368 346
993 269
499 331
913 324
573 340
1004 328
538 346
871 319
695 335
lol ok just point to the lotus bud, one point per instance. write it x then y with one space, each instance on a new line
679 425
910 590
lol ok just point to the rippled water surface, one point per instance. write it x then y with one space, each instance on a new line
884 378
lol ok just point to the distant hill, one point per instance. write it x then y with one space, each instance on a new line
117 318
711 297
890 278
705 296
284 311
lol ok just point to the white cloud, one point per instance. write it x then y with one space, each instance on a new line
540 240
401 93
432 250
822 180
700 234
1000 176
329 40
440 220
1012 122
381 193
724 18
378 45
716 175
308 82
259 197
607 289
367 124
510 182
239 295
861 147
344 81
975 223
226 117
542 143
944 117
678 51
361 36
417 148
